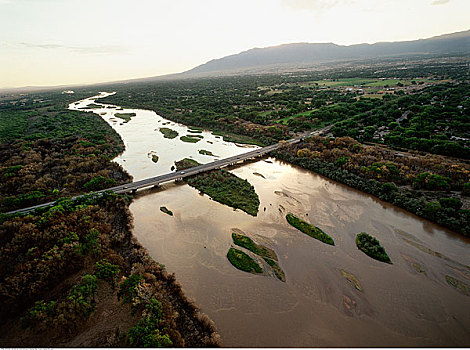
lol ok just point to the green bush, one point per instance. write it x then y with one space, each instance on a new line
451 202
106 271
147 333
127 288
431 182
82 296
99 183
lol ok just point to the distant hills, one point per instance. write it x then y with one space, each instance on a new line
305 54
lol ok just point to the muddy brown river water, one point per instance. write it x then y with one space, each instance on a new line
406 303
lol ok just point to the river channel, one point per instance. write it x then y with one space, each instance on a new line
410 302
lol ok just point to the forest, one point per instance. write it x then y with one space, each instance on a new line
423 107
66 267
400 130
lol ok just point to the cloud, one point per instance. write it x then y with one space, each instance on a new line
440 2
101 49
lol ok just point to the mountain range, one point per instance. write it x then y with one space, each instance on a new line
305 54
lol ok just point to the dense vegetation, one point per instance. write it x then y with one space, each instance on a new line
419 110
423 107
60 265
223 187
371 246
309 229
421 184
48 152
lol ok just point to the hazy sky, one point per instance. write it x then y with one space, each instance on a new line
51 42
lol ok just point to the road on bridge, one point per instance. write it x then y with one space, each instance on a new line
178 175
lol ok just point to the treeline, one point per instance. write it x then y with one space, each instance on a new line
48 152
268 107
427 193
44 170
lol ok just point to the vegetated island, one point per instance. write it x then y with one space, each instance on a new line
168 133
243 262
353 280
458 285
309 229
371 246
267 254
206 153
190 138
223 187
237 138
125 116
91 106
195 130
166 211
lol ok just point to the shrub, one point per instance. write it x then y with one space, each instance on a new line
451 202
371 246
106 271
82 295
243 261
309 229
127 288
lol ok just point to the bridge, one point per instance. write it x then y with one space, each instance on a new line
156 181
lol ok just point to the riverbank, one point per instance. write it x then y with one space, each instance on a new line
65 270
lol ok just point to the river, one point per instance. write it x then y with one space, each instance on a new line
407 303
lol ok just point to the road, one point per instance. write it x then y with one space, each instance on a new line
178 175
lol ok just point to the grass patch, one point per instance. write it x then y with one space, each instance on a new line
353 280
371 246
154 158
223 187
125 116
242 261
309 229
276 268
168 133
191 139
166 211
206 153
247 243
